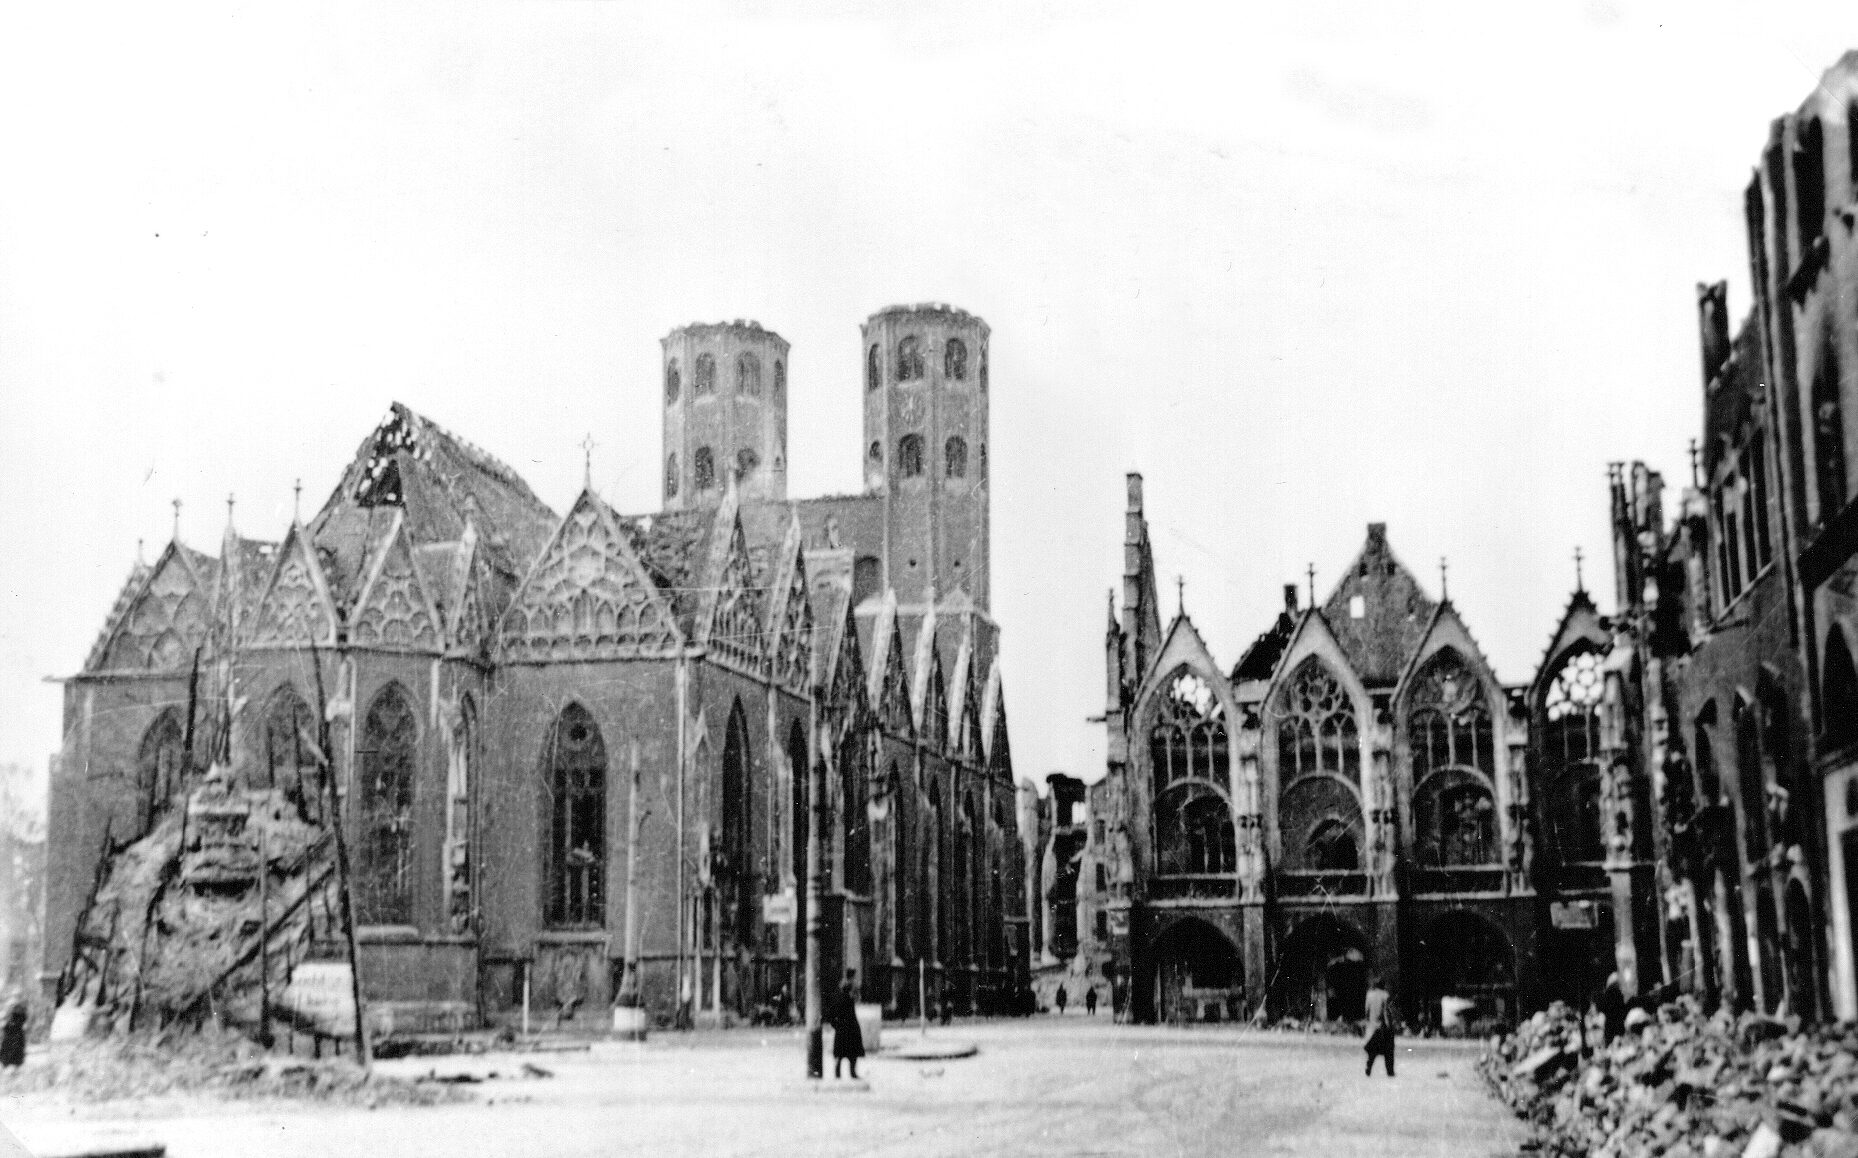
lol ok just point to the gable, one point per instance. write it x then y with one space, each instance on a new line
1378 612
848 676
1183 648
166 620
470 627
1448 634
893 704
792 641
586 598
1580 628
739 612
394 610
296 610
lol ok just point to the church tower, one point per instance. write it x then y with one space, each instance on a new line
925 427
725 413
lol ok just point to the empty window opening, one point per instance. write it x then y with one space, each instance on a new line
955 458
748 376
910 456
909 359
955 360
670 476
705 468
673 381
706 375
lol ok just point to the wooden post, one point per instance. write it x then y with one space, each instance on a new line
815 887
922 994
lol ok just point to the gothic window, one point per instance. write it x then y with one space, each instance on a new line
1751 779
909 359
159 771
670 476
855 817
935 715
1809 181
737 862
289 731
780 380
910 456
955 360
1571 744
955 458
1456 820
1450 721
1318 732
577 828
1839 711
705 468
459 906
1194 833
388 759
748 376
872 375
673 381
746 460
1709 781
1828 433
1332 847
706 375
1188 740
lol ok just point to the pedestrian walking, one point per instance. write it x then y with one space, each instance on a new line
1061 1000
841 1013
13 1036
1612 1006
1090 1001
1379 1027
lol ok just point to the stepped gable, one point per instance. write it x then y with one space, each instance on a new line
443 484
1395 612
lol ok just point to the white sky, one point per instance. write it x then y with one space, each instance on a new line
1305 266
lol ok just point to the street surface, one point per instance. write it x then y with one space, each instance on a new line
1073 1086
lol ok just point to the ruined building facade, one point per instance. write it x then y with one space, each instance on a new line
1358 794
485 681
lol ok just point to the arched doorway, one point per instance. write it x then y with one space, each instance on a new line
1322 972
1464 955
1197 976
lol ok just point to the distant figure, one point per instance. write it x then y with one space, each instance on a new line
947 1007
1612 1006
1379 1027
13 1036
1119 997
1090 1001
1061 1000
841 1013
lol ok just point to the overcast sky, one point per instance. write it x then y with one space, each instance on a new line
1305 266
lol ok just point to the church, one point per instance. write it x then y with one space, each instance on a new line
524 716
1358 795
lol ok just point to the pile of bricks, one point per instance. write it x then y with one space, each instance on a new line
1682 1084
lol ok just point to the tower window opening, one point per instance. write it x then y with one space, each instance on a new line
704 466
706 376
876 454
670 476
983 371
1828 433
746 460
955 458
748 376
955 360
871 374
910 456
780 380
673 381
980 461
909 359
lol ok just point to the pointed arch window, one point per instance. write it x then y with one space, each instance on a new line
705 382
388 762
1332 848
577 822
1456 819
1571 743
872 373
910 456
289 728
1839 713
909 359
748 376
160 771
1193 832
1318 732
1188 740
737 862
955 360
955 458
1450 719
673 381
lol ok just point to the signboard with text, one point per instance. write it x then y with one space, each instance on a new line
322 994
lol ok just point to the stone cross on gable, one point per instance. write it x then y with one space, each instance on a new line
587 459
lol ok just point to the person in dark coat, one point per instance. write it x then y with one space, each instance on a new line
13 1036
1090 1001
1613 1007
842 1015
1061 1000
1378 1027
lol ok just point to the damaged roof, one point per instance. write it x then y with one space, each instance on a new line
1393 612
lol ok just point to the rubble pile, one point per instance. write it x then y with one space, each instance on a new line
1682 1084
207 914
211 1063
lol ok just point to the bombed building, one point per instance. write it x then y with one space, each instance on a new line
499 702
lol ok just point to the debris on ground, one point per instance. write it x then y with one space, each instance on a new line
211 1063
1682 1084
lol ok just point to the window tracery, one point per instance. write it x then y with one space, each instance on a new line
1318 731
585 600
1194 833
290 763
160 771
577 828
1456 820
1571 743
388 755
1188 740
1450 720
